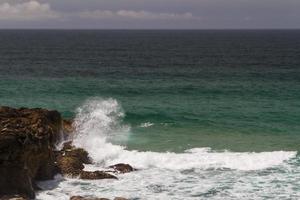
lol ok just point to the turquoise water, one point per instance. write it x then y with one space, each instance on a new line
236 90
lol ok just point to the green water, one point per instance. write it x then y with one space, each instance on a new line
235 90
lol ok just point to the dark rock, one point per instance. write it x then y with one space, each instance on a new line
70 162
120 198
69 165
27 140
67 146
86 198
70 159
122 168
96 175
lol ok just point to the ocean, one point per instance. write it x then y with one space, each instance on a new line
203 114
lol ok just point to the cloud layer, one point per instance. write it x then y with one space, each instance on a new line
31 10
34 10
131 14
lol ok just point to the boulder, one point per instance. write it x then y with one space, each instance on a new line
27 140
96 175
122 168
86 198
70 159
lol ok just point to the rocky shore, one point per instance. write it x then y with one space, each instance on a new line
29 152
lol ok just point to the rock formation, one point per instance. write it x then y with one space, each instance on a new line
70 162
27 140
28 153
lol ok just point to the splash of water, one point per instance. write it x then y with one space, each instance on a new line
97 123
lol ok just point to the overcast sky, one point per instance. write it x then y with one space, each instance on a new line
150 14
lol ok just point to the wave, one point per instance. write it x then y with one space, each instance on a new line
99 122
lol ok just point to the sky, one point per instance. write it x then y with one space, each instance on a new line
150 14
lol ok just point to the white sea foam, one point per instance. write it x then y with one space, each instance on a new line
198 173
146 124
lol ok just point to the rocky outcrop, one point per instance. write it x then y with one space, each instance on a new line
27 140
70 162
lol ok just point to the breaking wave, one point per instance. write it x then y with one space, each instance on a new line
99 122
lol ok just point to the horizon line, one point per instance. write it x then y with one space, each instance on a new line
148 29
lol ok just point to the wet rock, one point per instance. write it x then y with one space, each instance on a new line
96 175
67 146
69 165
70 160
122 168
86 198
27 140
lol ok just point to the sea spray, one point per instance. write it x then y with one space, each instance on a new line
97 124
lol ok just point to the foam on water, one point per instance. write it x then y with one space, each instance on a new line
197 173
146 124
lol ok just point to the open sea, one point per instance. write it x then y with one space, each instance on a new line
211 114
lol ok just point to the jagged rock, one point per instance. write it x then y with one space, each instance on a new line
122 168
70 161
96 175
69 165
86 198
79 153
27 140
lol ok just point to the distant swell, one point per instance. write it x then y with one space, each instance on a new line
99 122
